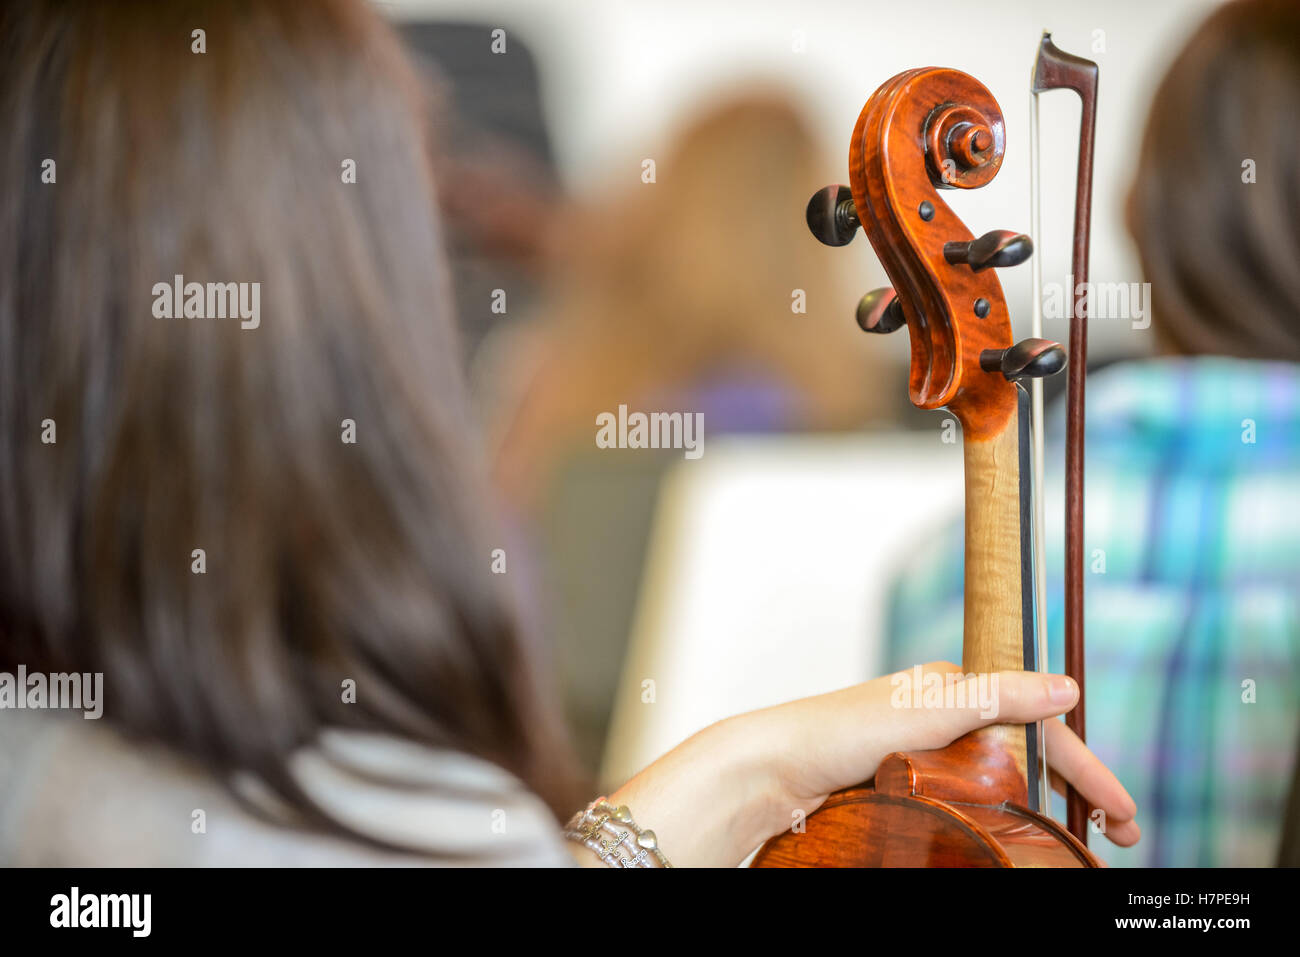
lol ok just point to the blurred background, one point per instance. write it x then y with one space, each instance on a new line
625 184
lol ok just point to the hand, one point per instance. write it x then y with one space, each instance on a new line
837 740
717 796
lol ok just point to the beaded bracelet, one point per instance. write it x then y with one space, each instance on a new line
600 817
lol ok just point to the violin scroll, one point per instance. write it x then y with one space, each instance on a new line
963 146
924 132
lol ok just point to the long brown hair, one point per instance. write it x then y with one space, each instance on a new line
327 560
1222 252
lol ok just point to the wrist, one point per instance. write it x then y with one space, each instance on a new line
711 800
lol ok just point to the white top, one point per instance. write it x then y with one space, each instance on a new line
73 792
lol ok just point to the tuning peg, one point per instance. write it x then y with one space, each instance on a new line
1027 359
832 217
880 311
1001 247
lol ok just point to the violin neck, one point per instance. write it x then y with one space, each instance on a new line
999 584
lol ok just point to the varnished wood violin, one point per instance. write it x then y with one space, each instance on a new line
977 801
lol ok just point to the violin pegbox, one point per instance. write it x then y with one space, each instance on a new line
923 132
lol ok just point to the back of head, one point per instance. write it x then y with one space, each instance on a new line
313 447
1215 207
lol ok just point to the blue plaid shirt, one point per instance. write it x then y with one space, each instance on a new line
1192 538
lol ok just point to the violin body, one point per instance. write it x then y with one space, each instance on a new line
925 809
975 803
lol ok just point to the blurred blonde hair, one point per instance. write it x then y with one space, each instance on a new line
663 286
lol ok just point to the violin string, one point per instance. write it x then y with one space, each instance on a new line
1038 491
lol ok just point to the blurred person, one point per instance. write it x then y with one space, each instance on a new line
498 192
266 532
677 295
1193 465
673 296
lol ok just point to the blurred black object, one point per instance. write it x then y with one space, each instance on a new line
497 179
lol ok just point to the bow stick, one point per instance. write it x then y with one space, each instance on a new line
1054 69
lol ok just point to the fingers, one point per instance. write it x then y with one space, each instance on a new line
950 704
1073 762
